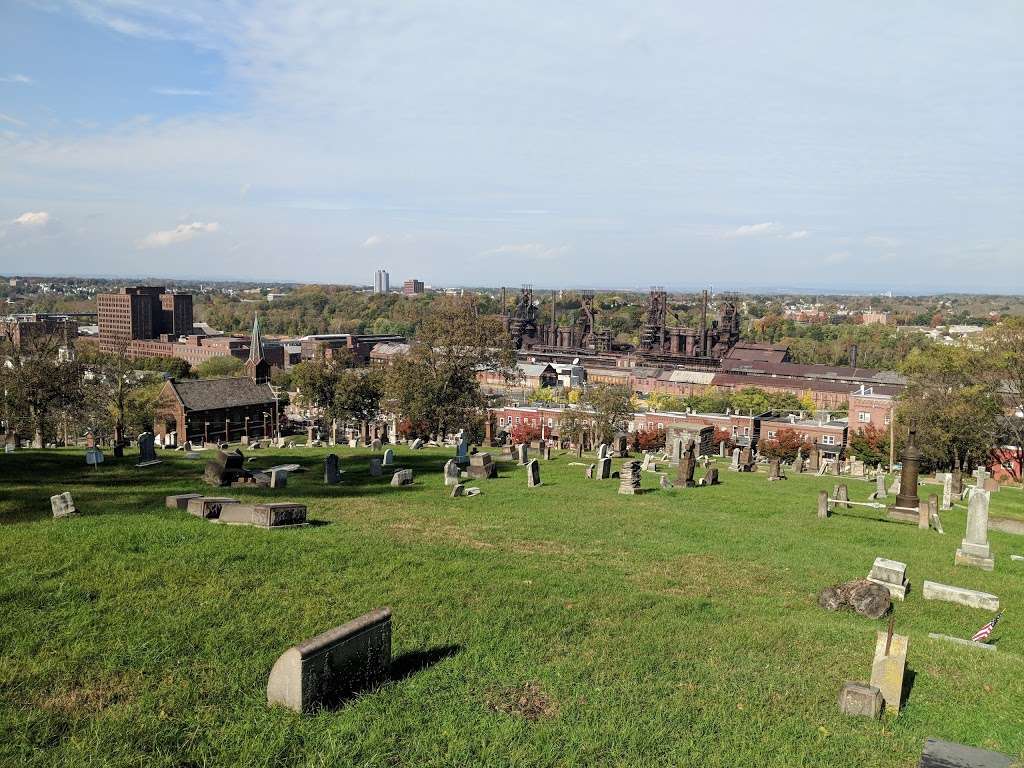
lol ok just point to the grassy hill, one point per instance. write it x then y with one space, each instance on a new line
561 625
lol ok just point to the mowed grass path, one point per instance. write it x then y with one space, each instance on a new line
673 628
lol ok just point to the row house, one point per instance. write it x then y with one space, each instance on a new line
828 435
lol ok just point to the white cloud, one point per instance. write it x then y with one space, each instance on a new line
33 219
755 230
839 257
15 78
180 234
181 92
539 251
374 241
799 234
12 120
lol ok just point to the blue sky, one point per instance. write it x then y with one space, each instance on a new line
844 146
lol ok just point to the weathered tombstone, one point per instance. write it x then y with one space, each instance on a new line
687 465
890 574
389 458
888 668
147 450
602 451
947 490
946 754
711 477
974 549
353 442
375 444
402 477
93 456
665 483
325 669
208 507
332 475
814 460
451 472
922 515
863 597
462 449
722 448
604 469
278 478
181 500
824 509
375 470
629 478
933 513
620 444
798 463
907 498
775 470
880 485
482 467
416 444
547 451
860 700
841 495
735 466
458 490
224 468
958 483
590 471
932 590
282 514
980 476
532 473
522 454
62 505
894 489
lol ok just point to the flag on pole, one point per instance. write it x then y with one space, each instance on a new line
982 634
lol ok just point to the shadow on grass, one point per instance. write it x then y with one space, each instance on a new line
411 662
908 685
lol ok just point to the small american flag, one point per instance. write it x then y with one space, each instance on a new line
982 634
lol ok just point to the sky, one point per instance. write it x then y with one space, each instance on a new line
842 146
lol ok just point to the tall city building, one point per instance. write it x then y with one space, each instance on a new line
142 312
381 281
412 287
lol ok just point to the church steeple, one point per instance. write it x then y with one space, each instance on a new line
257 366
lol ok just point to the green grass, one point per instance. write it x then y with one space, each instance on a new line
673 628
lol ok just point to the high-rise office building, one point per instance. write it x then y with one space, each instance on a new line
381 282
412 287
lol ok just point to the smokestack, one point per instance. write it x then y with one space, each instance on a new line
853 355
554 323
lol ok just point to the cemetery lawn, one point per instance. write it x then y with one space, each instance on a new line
564 625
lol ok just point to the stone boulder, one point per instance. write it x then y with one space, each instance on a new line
861 596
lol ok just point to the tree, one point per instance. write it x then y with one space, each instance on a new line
610 410
524 433
357 395
1003 347
870 445
436 382
37 382
649 439
225 365
664 402
785 446
953 405
117 381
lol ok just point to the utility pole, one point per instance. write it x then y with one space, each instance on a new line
892 437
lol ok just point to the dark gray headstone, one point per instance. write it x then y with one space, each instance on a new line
946 754
533 473
332 475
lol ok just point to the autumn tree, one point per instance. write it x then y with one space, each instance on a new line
224 365
784 445
610 410
1003 347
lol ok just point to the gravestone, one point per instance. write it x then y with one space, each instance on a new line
735 465
522 454
880 486
208 507
458 490
860 700
482 467
894 489
629 478
710 477
532 473
678 448
273 515
451 472
375 470
888 668
181 500
389 458
375 444
62 505
93 456
462 449
841 495
798 463
722 449
933 513
958 483
278 478
824 509
687 465
775 470
604 469
147 450
332 475
225 468
922 515
324 670
620 444
947 490
401 478
890 574
946 754
590 471
974 549
547 451
665 483
860 595
416 444
602 451
980 476
814 460
932 590
907 497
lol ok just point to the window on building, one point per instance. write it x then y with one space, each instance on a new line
551 422
746 431
517 419
888 418
501 421
660 425
863 417
828 440
771 435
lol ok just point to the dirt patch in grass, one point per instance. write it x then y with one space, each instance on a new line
88 698
703 575
527 701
